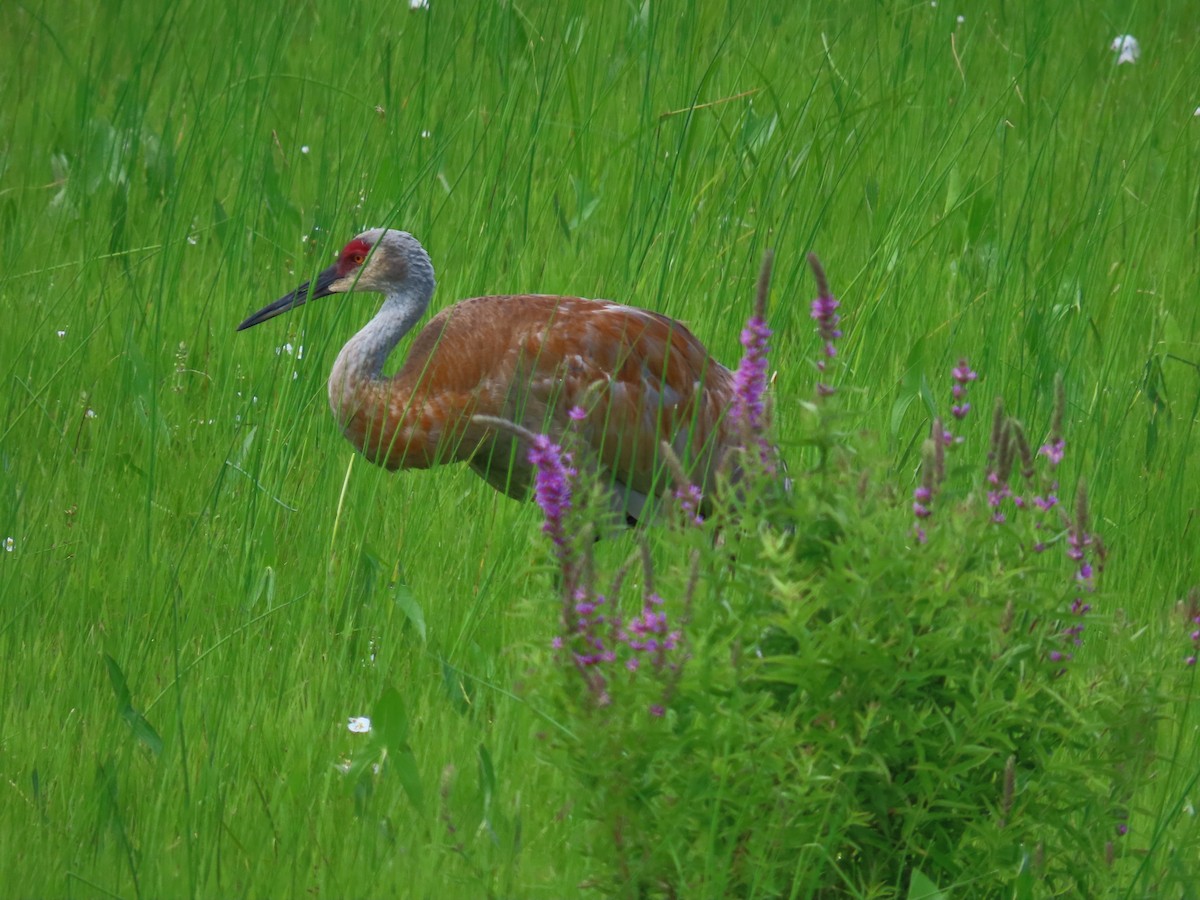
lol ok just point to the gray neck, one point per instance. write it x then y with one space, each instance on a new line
361 361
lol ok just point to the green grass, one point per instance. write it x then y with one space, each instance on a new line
996 188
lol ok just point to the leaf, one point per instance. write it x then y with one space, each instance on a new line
910 390
142 729
953 191
921 888
487 778
389 726
456 685
264 587
389 719
408 605
1023 889
410 777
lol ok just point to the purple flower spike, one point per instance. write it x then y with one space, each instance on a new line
963 373
750 379
921 497
1053 451
553 490
689 501
824 312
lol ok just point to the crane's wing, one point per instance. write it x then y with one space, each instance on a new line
640 377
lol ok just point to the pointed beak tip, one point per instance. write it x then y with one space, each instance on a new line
319 287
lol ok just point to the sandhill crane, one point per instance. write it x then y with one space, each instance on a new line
640 378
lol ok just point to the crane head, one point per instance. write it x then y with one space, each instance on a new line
381 261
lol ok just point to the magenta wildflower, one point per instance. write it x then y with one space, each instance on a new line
553 491
689 501
748 409
931 462
750 379
824 312
648 632
963 376
921 498
996 498
1054 446
1079 544
1053 451
1046 503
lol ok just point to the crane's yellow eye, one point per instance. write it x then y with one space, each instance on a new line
358 259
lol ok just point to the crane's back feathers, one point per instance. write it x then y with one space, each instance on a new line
639 377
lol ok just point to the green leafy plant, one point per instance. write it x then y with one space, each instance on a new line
858 703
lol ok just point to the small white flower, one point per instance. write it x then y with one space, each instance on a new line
1197 112
359 724
1126 47
961 19
304 149
426 134
9 543
91 413
418 4
192 239
62 332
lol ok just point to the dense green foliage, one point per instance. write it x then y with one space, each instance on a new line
200 583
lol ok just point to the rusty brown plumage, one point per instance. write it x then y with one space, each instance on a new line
639 376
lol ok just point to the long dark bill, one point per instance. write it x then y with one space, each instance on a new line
310 290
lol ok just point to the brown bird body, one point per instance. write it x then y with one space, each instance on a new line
640 378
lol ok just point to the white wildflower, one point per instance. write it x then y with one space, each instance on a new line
359 724
9 543
1126 47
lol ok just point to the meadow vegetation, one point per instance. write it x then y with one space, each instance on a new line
958 659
